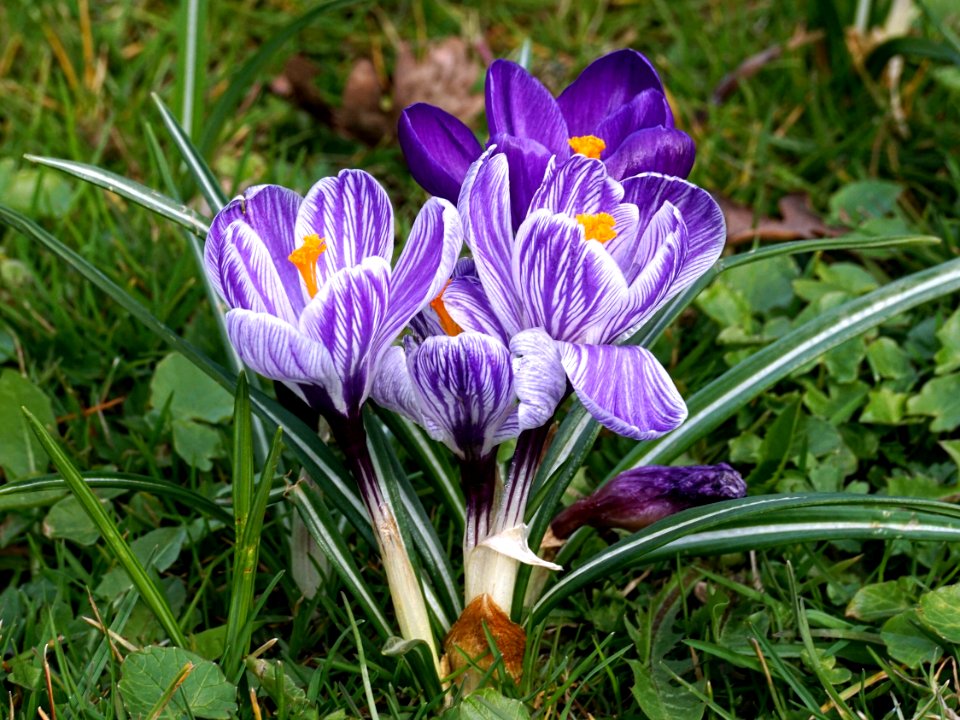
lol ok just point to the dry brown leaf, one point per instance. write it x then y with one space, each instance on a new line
296 84
798 222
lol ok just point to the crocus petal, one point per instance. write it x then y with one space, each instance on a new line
466 389
706 230
346 317
426 262
624 388
568 284
538 375
648 109
607 84
580 185
393 387
485 211
527 160
270 212
438 149
661 150
352 213
277 350
469 307
637 498
518 104
247 277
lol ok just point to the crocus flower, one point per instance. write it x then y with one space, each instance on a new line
640 497
591 262
615 110
313 299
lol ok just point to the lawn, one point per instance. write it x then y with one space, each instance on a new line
158 549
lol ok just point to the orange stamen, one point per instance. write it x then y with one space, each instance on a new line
589 145
448 324
305 258
598 227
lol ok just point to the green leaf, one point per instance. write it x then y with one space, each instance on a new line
198 444
885 407
843 361
21 452
33 191
661 699
939 398
952 448
907 643
147 674
948 356
282 688
488 704
190 391
158 549
939 610
67 520
880 600
888 360
862 200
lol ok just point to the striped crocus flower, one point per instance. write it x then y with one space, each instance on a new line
616 110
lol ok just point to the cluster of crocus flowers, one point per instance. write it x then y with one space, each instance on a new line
580 227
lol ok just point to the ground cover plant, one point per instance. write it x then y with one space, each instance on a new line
201 565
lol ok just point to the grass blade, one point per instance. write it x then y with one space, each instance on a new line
111 535
131 190
724 396
191 61
316 458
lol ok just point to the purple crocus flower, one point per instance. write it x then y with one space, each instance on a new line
615 110
313 299
640 497
590 263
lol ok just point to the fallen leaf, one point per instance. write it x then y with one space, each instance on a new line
296 84
798 221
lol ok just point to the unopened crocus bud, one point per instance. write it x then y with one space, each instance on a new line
640 497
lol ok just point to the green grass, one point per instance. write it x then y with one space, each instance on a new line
776 633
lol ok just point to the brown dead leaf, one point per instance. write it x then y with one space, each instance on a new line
297 84
798 221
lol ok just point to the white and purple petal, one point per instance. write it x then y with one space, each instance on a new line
352 213
485 211
346 318
518 104
642 403
270 211
528 161
568 285
607 84
466 389
662 150
392 385
468 306
427 259
438 149
539 377
579 185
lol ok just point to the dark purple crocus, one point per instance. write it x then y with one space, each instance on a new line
313 299
615 110
640 497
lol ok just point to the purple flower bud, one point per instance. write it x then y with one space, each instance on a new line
640 497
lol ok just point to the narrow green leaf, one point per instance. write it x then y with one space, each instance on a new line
150 593
191 61
129 189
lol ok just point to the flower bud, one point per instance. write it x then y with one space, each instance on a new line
640 497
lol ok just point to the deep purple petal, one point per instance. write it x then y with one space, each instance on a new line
352 213
465 384
606 85
661 150
247 276
270 211
648 109
625 388
579 185
485 211
528 161
438 149
539 377
426 262
706 230
518 104
569 285
638 498
278 350
346 317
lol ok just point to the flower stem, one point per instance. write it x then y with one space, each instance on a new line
405 590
